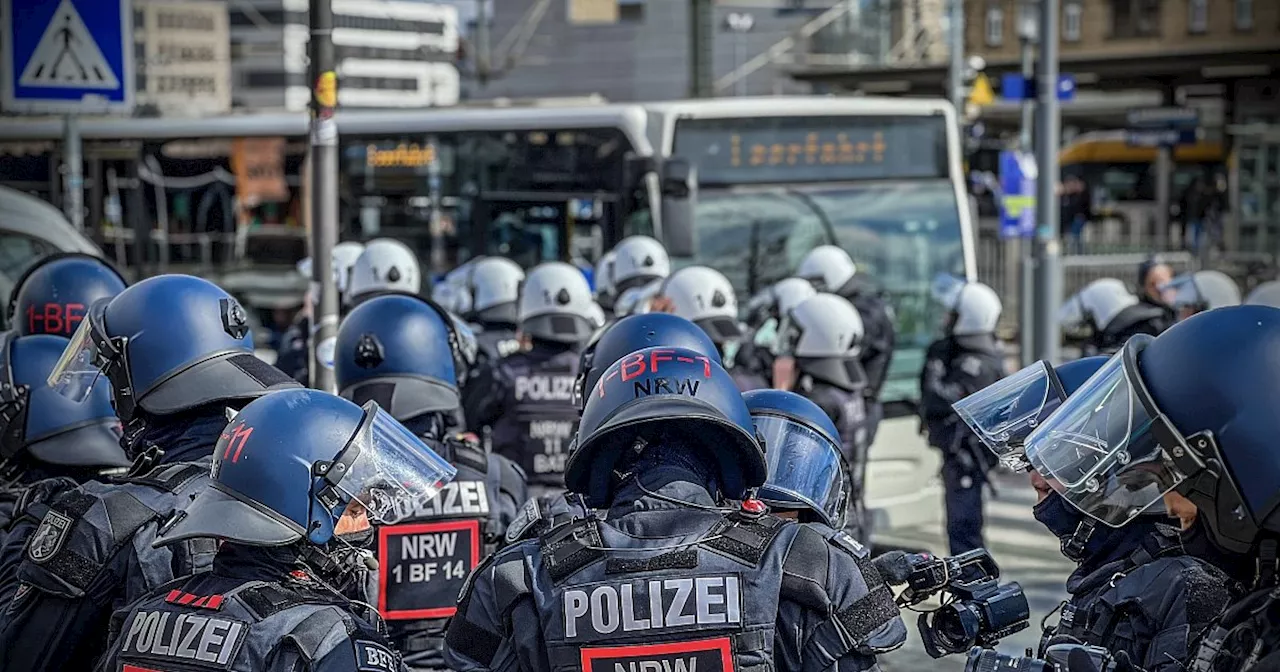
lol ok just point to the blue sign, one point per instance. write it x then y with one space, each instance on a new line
1018 194
1168 137
1163 118
66 55
1014 86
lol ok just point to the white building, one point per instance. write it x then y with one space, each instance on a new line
391 53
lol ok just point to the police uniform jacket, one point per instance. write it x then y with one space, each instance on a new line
879 337
256 611
954 368
699 588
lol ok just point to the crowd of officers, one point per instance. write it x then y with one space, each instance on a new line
526 473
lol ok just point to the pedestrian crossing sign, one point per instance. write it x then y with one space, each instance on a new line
62 56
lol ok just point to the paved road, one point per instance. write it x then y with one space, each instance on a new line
1026 553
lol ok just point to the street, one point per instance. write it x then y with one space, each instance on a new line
1026 553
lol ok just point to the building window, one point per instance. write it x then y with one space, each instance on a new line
1244 14
995 26
1072 13
1197 16
631 11
1135 18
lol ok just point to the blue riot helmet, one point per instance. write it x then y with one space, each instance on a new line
664 389
632 333
38 424
1004 413
801 447
1192 409
397 350
52 296
168 344
288 465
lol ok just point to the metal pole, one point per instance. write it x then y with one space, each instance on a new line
740 56
956 77
1047 246
73 162
1164 181
1026 277
324 191
482 40
701 48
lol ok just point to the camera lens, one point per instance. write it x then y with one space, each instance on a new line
957 626
987 660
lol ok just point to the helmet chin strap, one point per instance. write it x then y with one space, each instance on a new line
1073 547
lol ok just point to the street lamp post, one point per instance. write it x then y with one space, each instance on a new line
1028 34
739 23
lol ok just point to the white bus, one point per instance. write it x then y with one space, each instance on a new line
881 177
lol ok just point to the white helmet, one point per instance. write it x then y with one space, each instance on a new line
386 265
828 267
1266 294
824 334
1096 305
705 297
491 289
604 274
343 257
637 299
597 315
1203 290
791 292
556 304
638 260
977 310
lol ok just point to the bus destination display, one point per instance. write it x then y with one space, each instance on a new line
801 149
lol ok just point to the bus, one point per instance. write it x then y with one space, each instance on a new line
744 185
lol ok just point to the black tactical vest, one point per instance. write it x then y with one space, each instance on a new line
1246 638
539 419
257 626
497 343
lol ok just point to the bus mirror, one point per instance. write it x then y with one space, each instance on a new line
679 186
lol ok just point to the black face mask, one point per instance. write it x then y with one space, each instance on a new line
1064 521
1197 542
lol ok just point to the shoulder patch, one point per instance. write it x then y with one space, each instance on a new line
49 537
971 365
845 541
374 657
529 515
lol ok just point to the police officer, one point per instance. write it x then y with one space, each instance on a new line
638 261
45 438
807 479
631 333
177 353
294 473
831 270
819 357
670 572
1190 410
51 297
394 350
487 295
294 357
1265 294
525 403
1109 315
386 266
603 279
1200 291
704 296
964 361
765 312
1134 589
1152 276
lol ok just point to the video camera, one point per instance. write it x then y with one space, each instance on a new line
1055 659
978 609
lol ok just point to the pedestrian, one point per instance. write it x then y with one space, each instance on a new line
52 295
965 360
666 448
177 353
295 474
395 350
1076 208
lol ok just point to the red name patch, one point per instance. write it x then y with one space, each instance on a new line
703 655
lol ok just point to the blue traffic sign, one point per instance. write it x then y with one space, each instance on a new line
1018 194
66 55
1014 86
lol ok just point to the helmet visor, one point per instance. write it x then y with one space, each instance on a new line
1003 414
82 361
1100 449
804 467
945 289
388 469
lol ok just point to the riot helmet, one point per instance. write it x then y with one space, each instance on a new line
824 335
633 333
342 259
1266 294
1096 305
400 352
387 266
556 304
652 393
491 291
802 449
168 344
974 308
638 260
1191 409
289 464
828 267
705 297
603 277
638 299
38 424
1200 291
53 295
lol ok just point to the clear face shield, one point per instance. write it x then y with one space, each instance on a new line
805 468
89 354
1002 415
385 468
945 289
1104 449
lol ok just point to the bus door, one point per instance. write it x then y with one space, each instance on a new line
532 228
